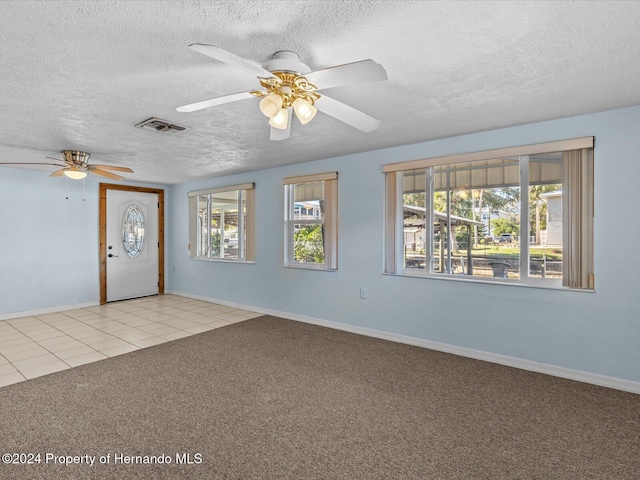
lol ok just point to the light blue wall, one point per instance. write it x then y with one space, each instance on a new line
49 256
591 332
49 245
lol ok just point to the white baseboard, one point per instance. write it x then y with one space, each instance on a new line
547 369
42 311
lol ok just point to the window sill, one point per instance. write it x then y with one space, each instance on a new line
488 281
318 268
222 260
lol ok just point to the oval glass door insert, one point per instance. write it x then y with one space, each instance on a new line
133 231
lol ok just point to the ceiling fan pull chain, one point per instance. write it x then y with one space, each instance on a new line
67 179
83 189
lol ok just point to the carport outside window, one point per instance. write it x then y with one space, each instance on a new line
517 218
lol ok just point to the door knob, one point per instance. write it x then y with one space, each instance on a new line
112 255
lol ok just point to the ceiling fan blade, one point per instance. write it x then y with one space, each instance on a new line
213 102
231 59
107 174
278 134
111 167
347 114
33 163
347 74
59 173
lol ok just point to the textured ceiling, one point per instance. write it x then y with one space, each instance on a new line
81 74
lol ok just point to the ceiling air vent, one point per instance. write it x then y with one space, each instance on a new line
160 125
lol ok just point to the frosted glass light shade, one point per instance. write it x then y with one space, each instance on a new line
75 174
304 110
271 105
281 120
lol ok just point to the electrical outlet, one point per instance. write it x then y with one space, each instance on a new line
363 292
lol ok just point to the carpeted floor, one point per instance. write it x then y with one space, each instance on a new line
275 399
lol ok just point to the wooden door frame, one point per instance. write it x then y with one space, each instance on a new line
103 233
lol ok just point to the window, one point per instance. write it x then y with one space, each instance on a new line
522 214
311 221
221 223
133 231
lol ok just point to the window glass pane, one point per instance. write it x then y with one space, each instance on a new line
308 243
215 232
476 218
133 231
224 225
230 232
308 222
203 237
545 216
414 211
308 201
495 245
242 230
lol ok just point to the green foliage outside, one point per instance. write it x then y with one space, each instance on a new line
308 244
501 250
414 199
505 225
215 244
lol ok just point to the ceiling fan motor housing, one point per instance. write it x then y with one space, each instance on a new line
286 61
76 157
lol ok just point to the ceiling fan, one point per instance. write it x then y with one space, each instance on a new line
76 166
290 85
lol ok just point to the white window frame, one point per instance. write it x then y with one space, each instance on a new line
577 252
330 220
246 222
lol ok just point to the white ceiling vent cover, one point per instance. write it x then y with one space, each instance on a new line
159 125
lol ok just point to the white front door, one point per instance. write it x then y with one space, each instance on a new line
132 244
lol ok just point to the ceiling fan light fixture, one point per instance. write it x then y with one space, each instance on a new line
285 80
304 110
281 120
75 174
271 105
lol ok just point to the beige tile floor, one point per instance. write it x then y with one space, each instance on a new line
41 344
